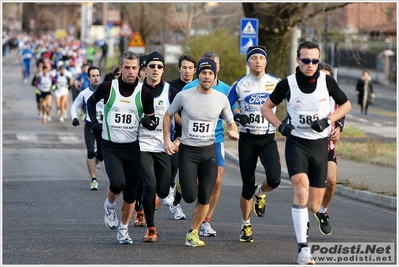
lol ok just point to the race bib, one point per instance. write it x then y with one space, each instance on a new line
122 120
200 129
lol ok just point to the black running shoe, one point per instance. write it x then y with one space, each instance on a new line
246 233
259 204
324 223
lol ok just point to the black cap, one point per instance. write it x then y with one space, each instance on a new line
206 63
155 56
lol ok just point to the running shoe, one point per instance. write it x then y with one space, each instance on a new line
48 114
246 233
259 204
98 163
58 111
170 198
44 118
123 236
139 220
324 223
192 239
110 219
61 119
304 257
178 212
206 230
151 235
178 187
94 185
156 201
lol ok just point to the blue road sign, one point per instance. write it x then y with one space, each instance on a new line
249 27
247 41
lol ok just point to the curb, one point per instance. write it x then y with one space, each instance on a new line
361 195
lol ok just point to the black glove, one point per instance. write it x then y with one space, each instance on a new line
340 123
242 119
97 128
148 123
320 125
75 122
285 128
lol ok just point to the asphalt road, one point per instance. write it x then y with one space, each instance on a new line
51 218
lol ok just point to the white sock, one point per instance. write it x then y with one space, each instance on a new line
300 218
259 192
246 222
322 209
121 225
109 203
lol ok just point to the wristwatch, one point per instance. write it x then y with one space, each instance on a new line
329 121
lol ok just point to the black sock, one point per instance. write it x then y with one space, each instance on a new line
302 245
92 179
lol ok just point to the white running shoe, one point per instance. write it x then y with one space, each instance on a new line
123 236
94 185
110 219
48 118
178 212
304 257
170 198
98 163
61 119
206 230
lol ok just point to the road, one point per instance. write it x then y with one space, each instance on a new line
382 116
50 217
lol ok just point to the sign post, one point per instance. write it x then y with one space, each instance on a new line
136 44
126 31
248 34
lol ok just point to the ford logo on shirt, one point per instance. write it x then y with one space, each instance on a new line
258 98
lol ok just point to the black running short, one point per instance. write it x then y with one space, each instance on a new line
307 156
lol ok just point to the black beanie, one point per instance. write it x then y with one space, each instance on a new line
155 56
143 61
206 63
259 49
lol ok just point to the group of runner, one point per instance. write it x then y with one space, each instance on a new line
168 139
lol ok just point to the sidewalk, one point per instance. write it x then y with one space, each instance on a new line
378 180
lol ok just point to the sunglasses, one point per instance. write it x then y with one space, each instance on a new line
307 61
152 66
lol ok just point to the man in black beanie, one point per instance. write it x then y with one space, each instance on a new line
206 228
257 137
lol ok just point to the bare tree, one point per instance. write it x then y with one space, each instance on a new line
148 18
276 20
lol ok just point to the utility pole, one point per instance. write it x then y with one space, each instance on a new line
86 15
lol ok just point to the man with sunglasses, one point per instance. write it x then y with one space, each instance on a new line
306 128
257 137
125 103
155 170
